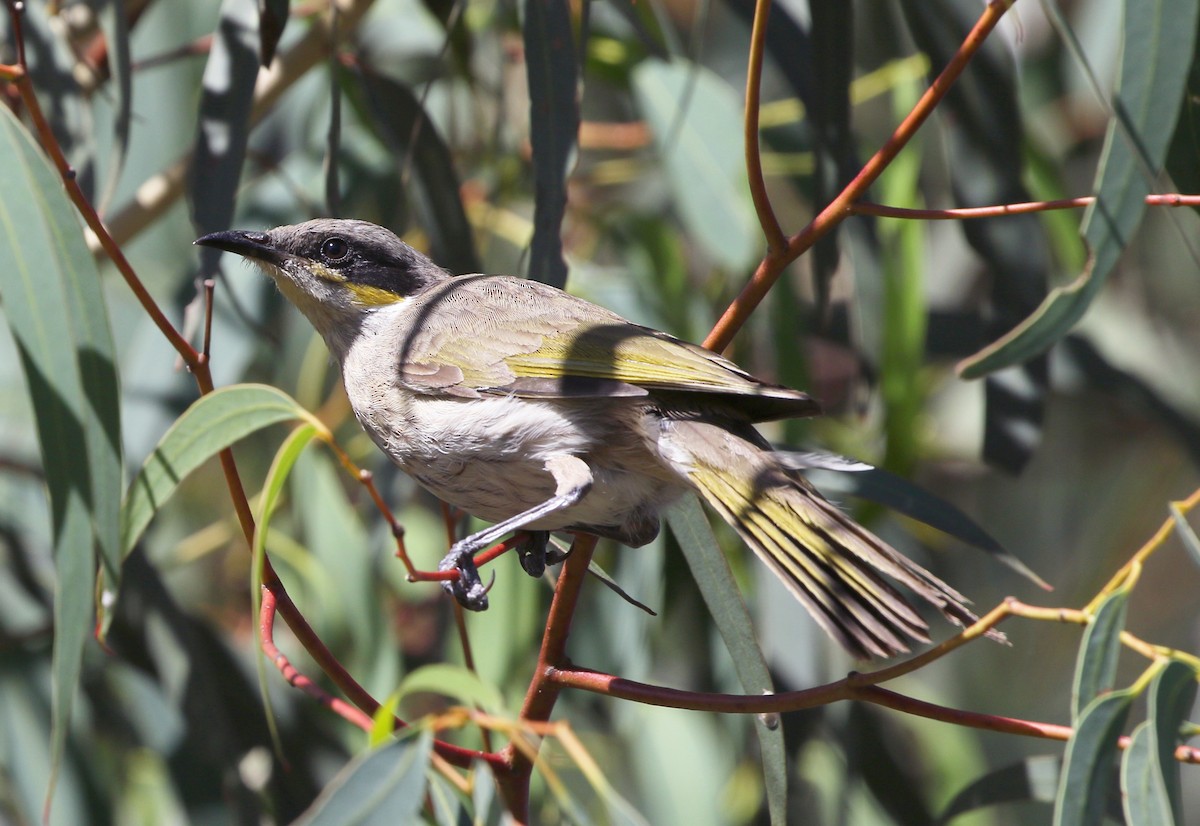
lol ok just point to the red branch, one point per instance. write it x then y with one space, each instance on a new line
1172 199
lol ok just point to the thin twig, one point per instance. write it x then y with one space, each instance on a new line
776 240
773 264
999 210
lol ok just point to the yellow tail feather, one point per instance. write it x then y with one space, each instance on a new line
833 565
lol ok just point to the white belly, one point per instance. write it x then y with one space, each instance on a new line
487 456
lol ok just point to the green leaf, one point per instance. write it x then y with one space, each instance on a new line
1145 795
1183 158
899 494
1096 665
25 751
1034 778
115 23
450 806
381 788
211 424
904 312
553 73
1149 772
224 128
454 681
51 295
1086 781
715 580
1159 38
702 148
400 122
645 18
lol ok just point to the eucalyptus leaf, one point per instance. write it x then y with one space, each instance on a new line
454 681
1158 46
1033 779
224 128
1096 665
552 69
115 23
210 425
711 571
1149 771
842 476
1086 783
52 299
704 157
383 787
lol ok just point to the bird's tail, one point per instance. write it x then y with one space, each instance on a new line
834 566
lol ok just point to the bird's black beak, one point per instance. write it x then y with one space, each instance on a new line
255 245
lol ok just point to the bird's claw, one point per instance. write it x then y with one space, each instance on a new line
468 588
536 552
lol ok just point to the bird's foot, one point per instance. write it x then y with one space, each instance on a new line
468 589
536 552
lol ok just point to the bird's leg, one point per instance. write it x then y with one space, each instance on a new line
573 478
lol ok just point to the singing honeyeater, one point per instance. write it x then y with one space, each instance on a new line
534 409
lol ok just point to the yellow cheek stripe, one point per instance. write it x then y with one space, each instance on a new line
372 296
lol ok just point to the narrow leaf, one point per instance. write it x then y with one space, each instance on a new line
553 73
1145 794
51 295
899 494
1087 775
1032 779
643 18
115 23
211 424
454 681
704 157
402 125
711 571
272 18
1150 772
1096 665
1159 39
224 128
986 143
381 788
1186 534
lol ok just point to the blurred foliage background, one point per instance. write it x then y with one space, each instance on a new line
421 120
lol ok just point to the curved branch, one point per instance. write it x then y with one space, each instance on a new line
776 240
839 208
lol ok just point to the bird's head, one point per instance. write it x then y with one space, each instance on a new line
334 271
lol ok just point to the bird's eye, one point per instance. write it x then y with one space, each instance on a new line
334 249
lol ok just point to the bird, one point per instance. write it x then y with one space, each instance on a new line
537 410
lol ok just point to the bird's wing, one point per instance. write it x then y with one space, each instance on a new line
508 335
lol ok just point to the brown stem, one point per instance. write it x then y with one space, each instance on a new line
999 210
776 240
543 690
